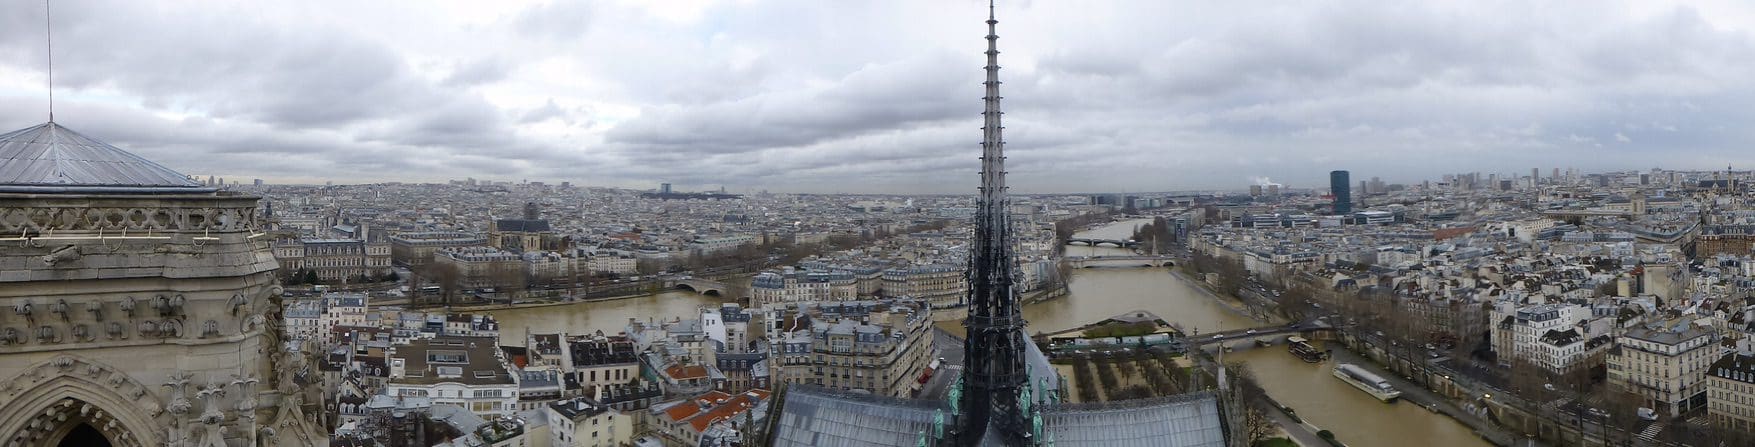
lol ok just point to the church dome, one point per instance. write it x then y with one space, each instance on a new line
49 158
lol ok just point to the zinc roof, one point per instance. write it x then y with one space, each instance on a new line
50 155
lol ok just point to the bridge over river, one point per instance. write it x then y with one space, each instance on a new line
1096 242
1307 328
1120 261
702 286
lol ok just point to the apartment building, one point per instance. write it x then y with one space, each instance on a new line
1664 363
582 422
943 285
793 286
481 266
415 249
468 372
879 349
1730 392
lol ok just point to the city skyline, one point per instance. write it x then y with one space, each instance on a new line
717 223
767 96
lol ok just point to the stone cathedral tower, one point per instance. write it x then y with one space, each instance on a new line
137 307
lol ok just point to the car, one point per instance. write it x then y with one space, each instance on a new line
1250 332
1219 337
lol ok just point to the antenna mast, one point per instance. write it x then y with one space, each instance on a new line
49 34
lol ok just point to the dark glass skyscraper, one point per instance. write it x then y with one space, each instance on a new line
1343 191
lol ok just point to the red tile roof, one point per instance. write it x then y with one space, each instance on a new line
682 372
729 409
682 411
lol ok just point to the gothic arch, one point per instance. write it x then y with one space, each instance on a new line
49 399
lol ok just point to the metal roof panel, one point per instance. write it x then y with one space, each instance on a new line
50 155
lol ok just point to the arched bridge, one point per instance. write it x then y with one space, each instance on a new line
1080 262
700 285
1248 334
1096 242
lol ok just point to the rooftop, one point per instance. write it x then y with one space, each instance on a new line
466 360
578 408
50 158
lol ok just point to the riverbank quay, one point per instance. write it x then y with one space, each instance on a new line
1043 294
1232 302
1497 415
1302 432
1299 430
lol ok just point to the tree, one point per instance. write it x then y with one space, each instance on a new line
1619 415
1231 275
1254 401
696 261
1106 376
649 266
1083 380
510 281
1161 237
446 276
1295 302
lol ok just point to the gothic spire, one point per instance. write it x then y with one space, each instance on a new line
995 345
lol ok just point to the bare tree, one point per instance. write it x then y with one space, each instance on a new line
1618 416
1254 401
1295 302
445 275
649 266
510 281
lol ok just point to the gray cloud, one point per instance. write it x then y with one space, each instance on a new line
885 96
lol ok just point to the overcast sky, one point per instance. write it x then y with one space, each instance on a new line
884 96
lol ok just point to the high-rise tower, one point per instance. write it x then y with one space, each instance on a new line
994 372
1342 190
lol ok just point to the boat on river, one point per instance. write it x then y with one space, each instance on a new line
1367 382
1302 348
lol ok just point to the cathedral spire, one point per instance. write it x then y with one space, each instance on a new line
995 345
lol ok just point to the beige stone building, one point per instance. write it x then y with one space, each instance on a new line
883 355
794 286
1665 364
481 266
1730 393
138 308
620 265
581 422
416 249
941 284
334 260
